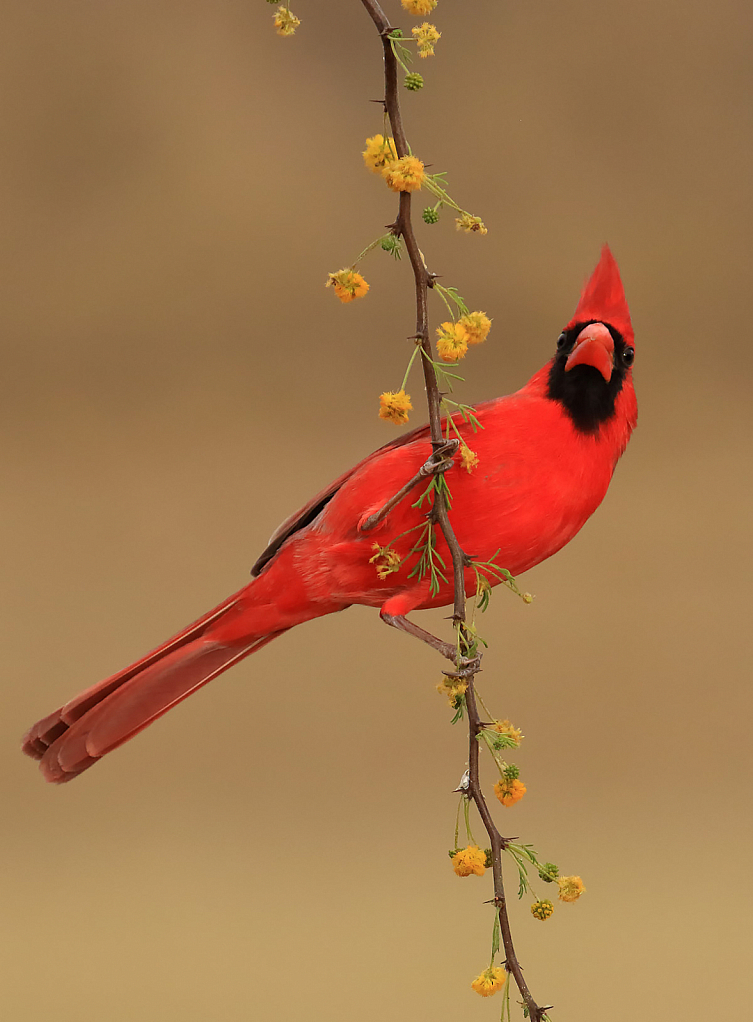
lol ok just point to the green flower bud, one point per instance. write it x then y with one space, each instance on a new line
542 909
504 742
430 216
549 872
413 81
511 772
489 860
391 244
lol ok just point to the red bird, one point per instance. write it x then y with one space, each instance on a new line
546 457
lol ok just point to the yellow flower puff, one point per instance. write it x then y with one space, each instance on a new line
470 224
379 152
489 982
509 791
394 406
347 284
404 175
452 342
542 910
426 36
419 7
285 22
452 688
469 860
571 888
469 458
477 326
385 559
504 727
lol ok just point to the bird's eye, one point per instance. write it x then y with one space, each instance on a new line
628 356
561 341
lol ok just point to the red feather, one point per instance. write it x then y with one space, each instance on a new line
603 299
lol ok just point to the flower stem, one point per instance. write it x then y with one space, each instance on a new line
416 350
366 251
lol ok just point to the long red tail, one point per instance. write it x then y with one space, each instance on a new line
95 722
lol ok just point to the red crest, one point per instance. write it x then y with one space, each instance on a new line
603 299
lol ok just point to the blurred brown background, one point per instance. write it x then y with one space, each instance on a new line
176 182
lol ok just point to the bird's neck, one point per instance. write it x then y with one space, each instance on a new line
612 431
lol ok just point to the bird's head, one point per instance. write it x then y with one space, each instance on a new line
595 351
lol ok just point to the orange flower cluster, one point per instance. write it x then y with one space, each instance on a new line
470 860
419 7
509 791
404 174
348 285
394 406
490 981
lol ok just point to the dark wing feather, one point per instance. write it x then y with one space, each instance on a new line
306 515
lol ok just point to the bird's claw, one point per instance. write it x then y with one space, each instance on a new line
431 468
464 666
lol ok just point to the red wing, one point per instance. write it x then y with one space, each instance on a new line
309 511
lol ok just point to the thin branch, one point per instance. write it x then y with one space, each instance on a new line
403 226
498 844
423 280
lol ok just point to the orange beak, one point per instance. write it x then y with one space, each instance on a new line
593 347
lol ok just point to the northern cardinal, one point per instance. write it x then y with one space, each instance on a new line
546 455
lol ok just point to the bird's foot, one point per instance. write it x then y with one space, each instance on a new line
440 461
465 667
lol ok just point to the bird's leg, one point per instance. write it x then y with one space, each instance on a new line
463 664
440 461
402 622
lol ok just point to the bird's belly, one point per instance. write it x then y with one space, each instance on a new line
525 517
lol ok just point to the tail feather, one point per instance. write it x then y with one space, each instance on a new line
84 701
137 703
101 718
104 716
